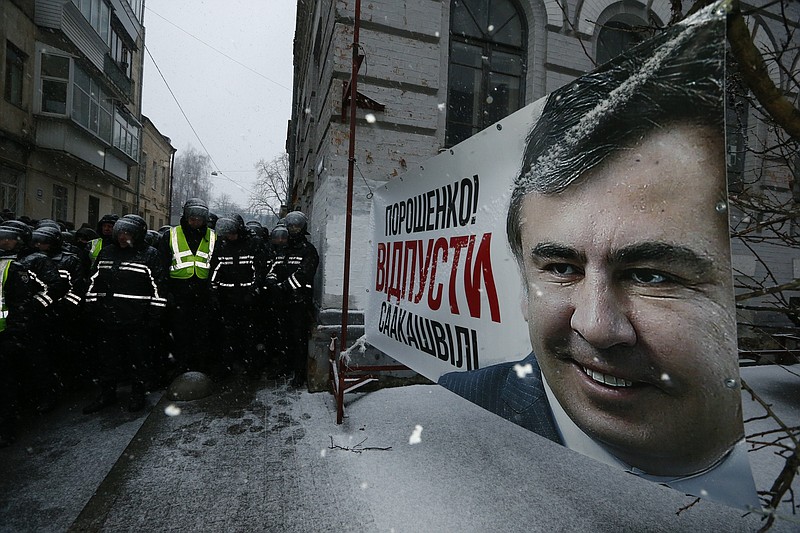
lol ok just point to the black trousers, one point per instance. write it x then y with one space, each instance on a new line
124 354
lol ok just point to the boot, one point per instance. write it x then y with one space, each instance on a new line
137 401
104 399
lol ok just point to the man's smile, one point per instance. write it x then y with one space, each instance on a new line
607 379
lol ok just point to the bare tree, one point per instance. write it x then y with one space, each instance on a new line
271 185
223 204
190 178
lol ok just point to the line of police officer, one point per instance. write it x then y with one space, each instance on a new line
157 303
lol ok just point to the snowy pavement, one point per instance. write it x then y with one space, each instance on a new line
263 457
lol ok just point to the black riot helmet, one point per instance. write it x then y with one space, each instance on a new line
212 220
133 225
279 237
152 237
195 207
48 235
296 223
226 226
47 222
17 230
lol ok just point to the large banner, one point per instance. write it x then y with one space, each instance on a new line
446 289
569 268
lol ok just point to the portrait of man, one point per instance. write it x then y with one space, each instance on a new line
619 224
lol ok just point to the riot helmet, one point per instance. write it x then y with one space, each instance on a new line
152 237
297 224
212 220
195 207
279 237
85 234
226 226
47 222
21 231
132 225
48 235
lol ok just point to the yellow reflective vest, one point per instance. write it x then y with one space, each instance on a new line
94 250
4 266
186 264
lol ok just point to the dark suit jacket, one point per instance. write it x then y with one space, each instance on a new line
498 389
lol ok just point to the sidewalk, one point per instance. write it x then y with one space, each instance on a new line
263 457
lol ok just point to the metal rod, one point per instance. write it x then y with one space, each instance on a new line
351 154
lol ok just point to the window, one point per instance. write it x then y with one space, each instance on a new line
155 175
91 108
15 73
120 52
126 135
93 213
487 67
55 83
9 188
98 14
152 222
163 178
58 210
616 37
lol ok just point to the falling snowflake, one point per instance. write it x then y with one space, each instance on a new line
364 485
322 453
523 370
370 118
172 410
665 377
416 435
441 106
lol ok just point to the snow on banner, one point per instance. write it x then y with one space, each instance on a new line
445 289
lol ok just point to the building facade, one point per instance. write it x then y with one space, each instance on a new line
70 117
154 177
434 73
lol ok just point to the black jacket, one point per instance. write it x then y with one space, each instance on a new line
294 269
238 269
46 270
126 286
25 295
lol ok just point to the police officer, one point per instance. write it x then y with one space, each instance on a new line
65 312
23 300
301 260
40 380
237 274
186 251
125 298
105 227
275 298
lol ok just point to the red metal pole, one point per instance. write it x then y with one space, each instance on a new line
351 154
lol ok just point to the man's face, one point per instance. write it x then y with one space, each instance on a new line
106 228
124 239
196 222
630 304
8 244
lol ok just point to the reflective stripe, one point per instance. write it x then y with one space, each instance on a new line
186 264
5 264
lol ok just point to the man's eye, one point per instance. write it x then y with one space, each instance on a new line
649 277
562 269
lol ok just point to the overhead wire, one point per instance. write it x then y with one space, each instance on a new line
191 126
218 51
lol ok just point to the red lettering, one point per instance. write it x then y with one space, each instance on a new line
435 297
457 243
380 273
473 273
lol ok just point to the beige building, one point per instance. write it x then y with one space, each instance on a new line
70 117
155 171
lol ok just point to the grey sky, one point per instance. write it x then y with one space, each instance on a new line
239 105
